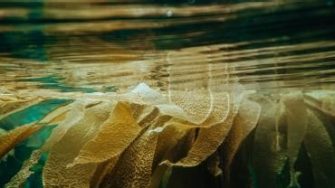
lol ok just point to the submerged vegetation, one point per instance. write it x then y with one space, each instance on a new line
233 94
142 138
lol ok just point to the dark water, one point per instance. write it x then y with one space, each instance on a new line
108 45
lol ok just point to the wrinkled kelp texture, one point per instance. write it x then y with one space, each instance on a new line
142 138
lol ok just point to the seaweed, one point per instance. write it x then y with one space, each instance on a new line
143 138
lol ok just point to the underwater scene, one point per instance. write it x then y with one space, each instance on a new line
167 94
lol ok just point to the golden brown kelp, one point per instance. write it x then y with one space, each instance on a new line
134 168
9 140
321 151
143 139
12 104
268 156
296 120
67 118
244 123
56 171
284 126
114 136
35 140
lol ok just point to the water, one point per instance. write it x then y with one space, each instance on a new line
59 49
102 46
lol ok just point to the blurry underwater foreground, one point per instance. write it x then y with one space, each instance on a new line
167 94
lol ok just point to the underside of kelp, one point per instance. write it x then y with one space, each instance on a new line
143 138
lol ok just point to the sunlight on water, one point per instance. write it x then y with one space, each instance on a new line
100 46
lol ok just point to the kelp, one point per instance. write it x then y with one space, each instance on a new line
206 143
34 111
268 157
198 111
284 134
321 151
245 121
296 117
9 140
143 138
321 102
71 117
13 104
57 171
20 153
173 144
19 179
106 145
135 165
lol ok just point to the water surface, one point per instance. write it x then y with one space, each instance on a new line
113 45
